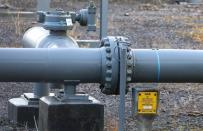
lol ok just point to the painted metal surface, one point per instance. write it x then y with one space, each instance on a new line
134 101
43 5
122 86
175 65
21 14
41 89
50 65
91 17
147 102
38 37
88 43
167 65
86 65
144 123
103 18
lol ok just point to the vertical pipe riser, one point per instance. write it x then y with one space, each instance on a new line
103 18
122 86
41 89
43 5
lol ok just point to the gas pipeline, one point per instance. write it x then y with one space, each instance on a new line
52 59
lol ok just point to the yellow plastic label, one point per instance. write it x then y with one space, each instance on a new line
147 102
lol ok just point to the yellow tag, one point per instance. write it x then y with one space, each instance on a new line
147 102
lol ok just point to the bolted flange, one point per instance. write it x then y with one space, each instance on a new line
109 84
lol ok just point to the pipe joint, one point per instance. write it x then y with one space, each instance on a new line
111 62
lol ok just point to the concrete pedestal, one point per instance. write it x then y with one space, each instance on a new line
24 110
70 115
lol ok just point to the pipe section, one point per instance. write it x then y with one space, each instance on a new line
41 89
38 37
50 65
46 39
87 65
167 65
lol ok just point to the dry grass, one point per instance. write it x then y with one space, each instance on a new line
196 31
112 125
18 24
197 34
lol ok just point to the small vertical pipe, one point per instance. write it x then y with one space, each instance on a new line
194 1
69 90
122 86
43 5
41 89
134 101
144 122
103 18
91 19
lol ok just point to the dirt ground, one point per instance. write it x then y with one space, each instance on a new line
147 26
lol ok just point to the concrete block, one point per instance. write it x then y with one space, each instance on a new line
22 111
79 115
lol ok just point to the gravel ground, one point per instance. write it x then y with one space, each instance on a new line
147 26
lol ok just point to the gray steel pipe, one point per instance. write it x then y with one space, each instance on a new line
50 65
38 37
11 14
41 89
168 65
86 65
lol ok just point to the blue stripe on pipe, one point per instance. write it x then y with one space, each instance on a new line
158 66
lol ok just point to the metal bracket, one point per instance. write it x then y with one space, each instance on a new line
69 92
103 18
122 85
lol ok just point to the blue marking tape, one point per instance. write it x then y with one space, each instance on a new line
158 66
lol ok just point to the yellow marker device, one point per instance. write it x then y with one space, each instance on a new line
147 102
